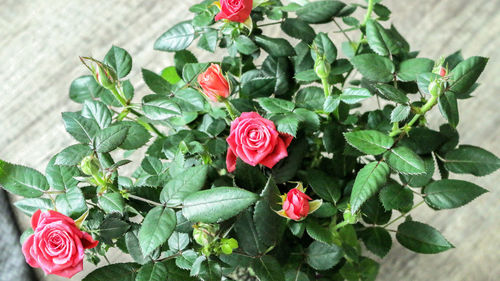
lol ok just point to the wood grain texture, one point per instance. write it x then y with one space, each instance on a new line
41 40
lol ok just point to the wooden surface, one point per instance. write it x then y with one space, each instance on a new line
39 46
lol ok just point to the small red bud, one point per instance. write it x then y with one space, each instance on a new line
442 72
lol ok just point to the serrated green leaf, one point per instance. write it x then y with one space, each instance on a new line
72 155
157 107
98 112
325 186
30 205
82 129
245 45
450 193
331 103
137 136
400 113
120 60
411 68
110 138
449 108
465 74
374 213
178 241
268 224
248 238
320 11
275 105
217 204
113 227
321 256
114 272
155 82
319 233
369 141
134 249
421 238
85 88
311 98
404 160
208 40
377 240
61 177
183 184
354 95
112 203
468 159
390 93
156 228
21 180
177 38
395 196
374 67
287 123
325 47
71 203
368 181
276 47
379 40
153 271
267 268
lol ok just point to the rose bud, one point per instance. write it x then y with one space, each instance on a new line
103 74
235 10
57 245
442 72
297 205
255 140
90 165
214 84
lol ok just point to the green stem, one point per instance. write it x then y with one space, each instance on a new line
144 200
271 23
230 109
326 87
403 215
118 96
340 225
426 107
369 11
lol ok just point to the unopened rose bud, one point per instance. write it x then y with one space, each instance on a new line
215 86
349 217
90 165
436 88
442 72
322 67
103 74
204 233
296 205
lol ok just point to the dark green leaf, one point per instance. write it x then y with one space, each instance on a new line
354 95
400 113
98 112
177 38
183 184
321 256
320 11
137 136
319 233
72 203
208 39
325 47
156 228
377 240
276 47
395 196
72 155
465 74
379 40
331 103
468 159
287 123
268 224
297 28
85 88
249 177
449 108
245 45
275 105
159 107
311 98
61 177
421 238
113 227
248 238
114 272
82 129
369 141
120 60
112 202
410 69
325 186
255 83
404 160
110 138
374 213
155 82
191 71
449 194
374 67
134 249
423 179
368 181
21 180
390 93
267 268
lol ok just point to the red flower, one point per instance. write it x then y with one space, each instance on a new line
296 205
255 140
235 10
57 246
213 83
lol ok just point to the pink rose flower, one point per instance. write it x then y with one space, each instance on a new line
213 83
235 10
296 205
57 246
255 140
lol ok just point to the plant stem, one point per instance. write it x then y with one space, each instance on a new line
271 23
144 200
230 109
403 215
118 96
326 87
343 32
426 107
369 11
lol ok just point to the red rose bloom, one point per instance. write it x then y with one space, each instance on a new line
57 246
255 140
296 205
213 83
235 10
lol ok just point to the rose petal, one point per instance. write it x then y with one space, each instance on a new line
274 157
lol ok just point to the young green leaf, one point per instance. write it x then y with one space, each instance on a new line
468 159
369 141
217 204
374 67
411 68
120 60
404 160
421 238
156 228
22 181
321 256
110 138
368 181
177 38
450 193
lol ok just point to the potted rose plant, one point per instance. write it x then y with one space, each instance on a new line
264 165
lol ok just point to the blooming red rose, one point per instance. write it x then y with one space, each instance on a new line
296 205
234 10
213 83
255 140
57 246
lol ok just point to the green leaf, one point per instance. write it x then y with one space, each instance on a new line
249 177
374 67
110 138
248 238
424 79
423 179
81 128
267 268
217 204
320 11
465 74
113 227
61 177
368 181
404 160
354 95
276 47
178 241
114 272
97 111
421 238
120 60
159 107
390 93
72 203
137 136
297 28
275 105
468 159
450 193
411 68
170 73
374 213
268 224
400 113
325 186
22 181
395 196
321 256
245 45
449 108
311 98
134 249
85 88
296 275
324 47
369 141
208 39
380 40
177 38
319 233
191 71
182 58
189 100
377 240
112 203
331 103
72 155
287 123
152 165
156 228
155 82
183 184
309 120
30 205
153 271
